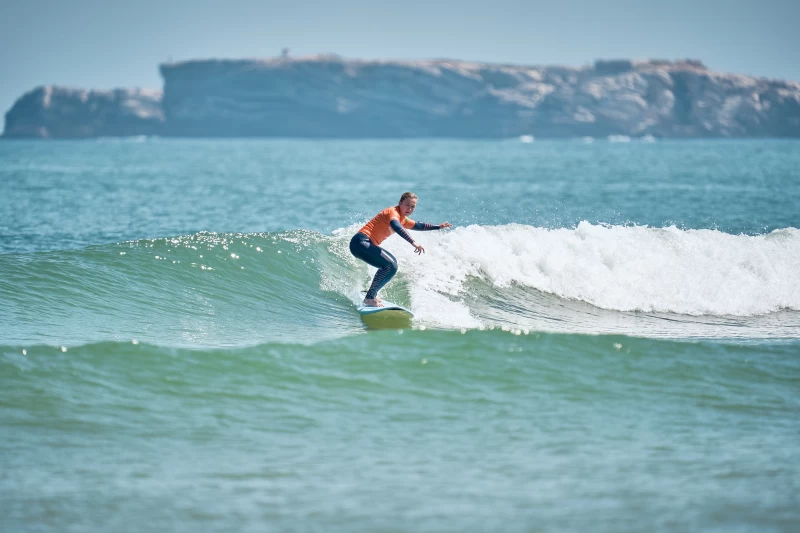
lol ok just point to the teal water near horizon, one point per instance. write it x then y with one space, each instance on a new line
608 340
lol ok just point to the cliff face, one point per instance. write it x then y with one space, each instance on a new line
72 113
331 97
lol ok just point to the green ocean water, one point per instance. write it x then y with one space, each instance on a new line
608 340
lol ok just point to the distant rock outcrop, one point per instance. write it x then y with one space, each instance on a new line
331 97
327 96
59 112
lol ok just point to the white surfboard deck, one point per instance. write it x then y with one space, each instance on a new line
386 307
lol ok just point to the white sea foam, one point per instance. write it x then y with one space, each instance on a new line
621 268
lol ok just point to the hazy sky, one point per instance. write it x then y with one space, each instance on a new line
102 44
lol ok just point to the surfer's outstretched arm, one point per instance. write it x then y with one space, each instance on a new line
419 226
424 226
400 230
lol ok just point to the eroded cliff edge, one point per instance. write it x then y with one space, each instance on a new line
326 96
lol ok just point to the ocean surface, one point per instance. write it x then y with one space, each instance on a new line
608 340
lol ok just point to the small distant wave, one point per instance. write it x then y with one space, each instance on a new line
135 139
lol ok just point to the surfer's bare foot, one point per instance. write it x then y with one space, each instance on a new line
373 302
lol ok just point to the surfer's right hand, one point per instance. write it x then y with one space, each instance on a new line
418 249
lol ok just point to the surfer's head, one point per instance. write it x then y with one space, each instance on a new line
407 203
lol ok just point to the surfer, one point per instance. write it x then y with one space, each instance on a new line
365 244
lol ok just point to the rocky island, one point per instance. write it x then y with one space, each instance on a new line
327 96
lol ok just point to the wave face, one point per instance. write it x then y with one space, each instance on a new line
210 289
205 289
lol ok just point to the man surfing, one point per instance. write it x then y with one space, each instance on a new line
365 244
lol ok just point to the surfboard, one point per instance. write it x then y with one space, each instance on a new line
390 315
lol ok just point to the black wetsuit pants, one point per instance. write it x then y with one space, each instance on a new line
372 254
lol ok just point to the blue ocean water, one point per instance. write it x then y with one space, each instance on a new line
608 340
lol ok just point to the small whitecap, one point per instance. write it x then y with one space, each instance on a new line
424 361
617 346
63 349
24 352
134 342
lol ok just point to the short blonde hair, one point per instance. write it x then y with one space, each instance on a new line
407 195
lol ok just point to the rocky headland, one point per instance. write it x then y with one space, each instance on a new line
63 113
327 96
